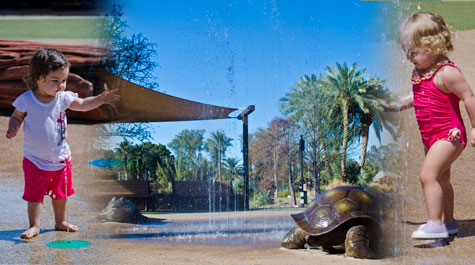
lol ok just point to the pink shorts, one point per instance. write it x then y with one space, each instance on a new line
39 183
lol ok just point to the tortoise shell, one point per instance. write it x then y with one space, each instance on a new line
338 206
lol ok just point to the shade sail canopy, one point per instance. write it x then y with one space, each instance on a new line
140 104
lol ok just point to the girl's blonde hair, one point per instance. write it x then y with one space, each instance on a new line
428 31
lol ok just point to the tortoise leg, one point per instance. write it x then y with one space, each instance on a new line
357 243
295 239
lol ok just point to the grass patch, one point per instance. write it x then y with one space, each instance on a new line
458 14
54 28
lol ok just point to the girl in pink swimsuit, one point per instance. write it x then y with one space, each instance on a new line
438 86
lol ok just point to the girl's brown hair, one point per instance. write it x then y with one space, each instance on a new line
44 61
428 31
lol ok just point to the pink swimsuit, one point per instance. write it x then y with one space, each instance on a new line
437 112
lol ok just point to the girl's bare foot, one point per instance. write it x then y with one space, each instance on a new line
30 233
65 226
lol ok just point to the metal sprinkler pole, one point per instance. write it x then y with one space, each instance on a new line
245 152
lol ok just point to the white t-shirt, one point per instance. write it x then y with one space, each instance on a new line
44 129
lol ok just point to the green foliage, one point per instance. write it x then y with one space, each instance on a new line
206 170
260 198
238 185
216 146
367 174
190 163
333 112
353 171
233 168
321 131
370 112
147 161
166 174
325 178
343 85
385 157
284 194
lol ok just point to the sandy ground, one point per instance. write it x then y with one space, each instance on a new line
109 249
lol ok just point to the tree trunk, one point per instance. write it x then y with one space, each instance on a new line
365 135
326 163
139 167
345 139
276 194
315 170
219 165
291 180
125 167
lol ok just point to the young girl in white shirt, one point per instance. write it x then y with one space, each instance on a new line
47 157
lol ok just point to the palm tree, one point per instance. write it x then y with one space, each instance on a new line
123 150
187 146
344 86
216 146
371 108
233 167
307 105
138 152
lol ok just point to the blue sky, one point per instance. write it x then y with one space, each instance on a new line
240 53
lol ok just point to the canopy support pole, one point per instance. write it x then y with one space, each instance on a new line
245 152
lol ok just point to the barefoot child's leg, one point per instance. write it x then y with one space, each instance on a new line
433 175
34 215
59 207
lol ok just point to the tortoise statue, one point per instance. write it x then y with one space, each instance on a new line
346 217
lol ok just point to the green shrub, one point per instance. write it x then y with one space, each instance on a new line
352 171
284 193
238 185
367 174
260 198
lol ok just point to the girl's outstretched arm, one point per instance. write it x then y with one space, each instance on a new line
403 103
14 123
90 103
453 81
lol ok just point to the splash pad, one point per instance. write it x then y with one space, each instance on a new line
253 228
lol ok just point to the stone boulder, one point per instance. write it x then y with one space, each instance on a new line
121 210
